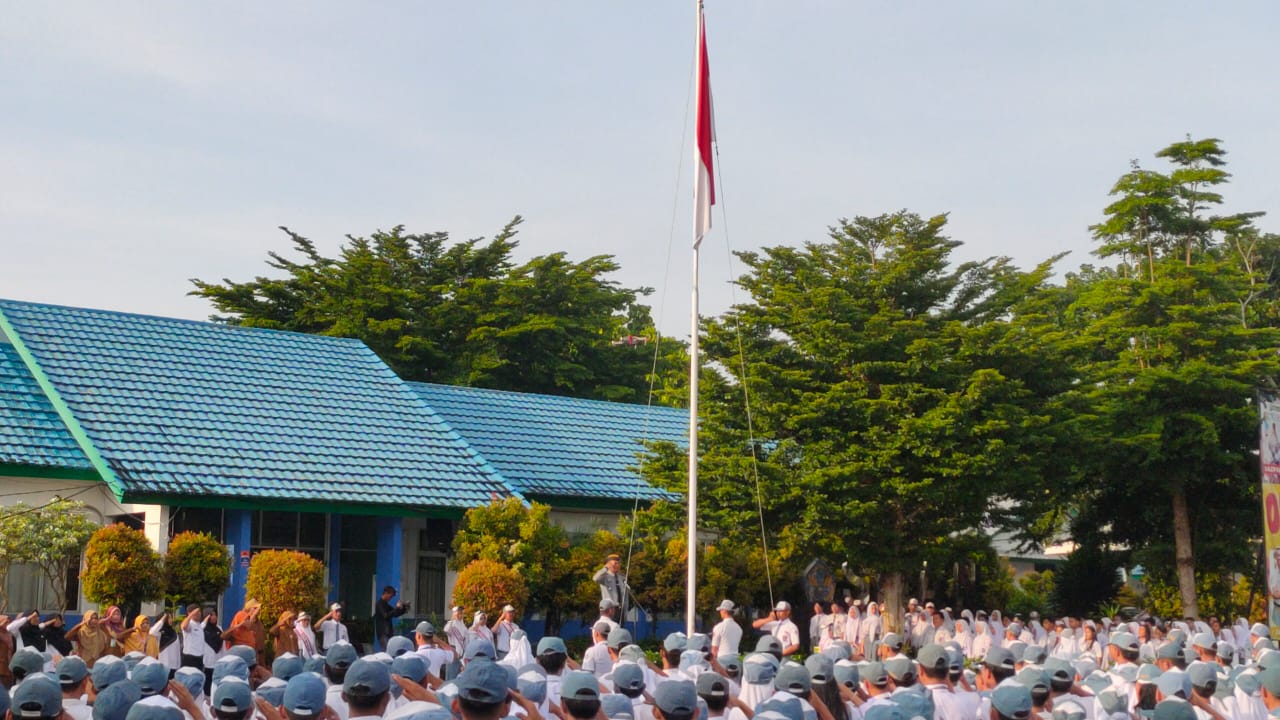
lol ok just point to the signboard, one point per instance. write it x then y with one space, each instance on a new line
819 583
244 559
1269 447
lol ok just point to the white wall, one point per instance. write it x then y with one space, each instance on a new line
586 520
99 501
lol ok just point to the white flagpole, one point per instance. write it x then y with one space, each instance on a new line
691 594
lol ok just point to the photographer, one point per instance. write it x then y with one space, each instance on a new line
384 613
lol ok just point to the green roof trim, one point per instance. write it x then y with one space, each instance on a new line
60 406
47 473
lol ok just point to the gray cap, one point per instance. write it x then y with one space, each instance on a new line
633 653
1034 655
245 653
726 605
933 657
366 678
783 704
230 666
399 645
769 644
892 640
1012 700
676 697
1226 650
1268 679
675 641
425 629
731 664
232 696
618 637
35 697
759 668
881 711
478 647
191 678
114 702
340 655
901 669
410 666
1169 651
72 670
875 674
1125 641
711 685
272 690
793 678
1059 670
286 666
483 682
32 662
1203 675
1033 678
1174 709
608 603
1113 702
531 682
154 708
1203 640
1068 710
304 695
999 657
617 707
628 676
550 645
821 668
106 671
152 677
1172 682
579 685
846 673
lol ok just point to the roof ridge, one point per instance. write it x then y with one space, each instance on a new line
568 398
170 319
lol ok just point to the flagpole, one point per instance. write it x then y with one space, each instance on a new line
691 595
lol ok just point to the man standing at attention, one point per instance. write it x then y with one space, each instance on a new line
727 633
331 628
503 629
612 583
778 624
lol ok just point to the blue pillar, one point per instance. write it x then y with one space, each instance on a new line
334 556
390 548
238 531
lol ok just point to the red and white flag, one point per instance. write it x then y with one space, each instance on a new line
704 190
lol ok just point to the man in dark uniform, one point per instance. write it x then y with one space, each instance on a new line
384 613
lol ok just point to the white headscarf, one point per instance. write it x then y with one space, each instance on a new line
965 637
520 653
981 641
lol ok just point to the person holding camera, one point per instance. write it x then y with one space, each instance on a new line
384 613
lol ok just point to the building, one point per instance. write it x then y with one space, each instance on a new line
274 439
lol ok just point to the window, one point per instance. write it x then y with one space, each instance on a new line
305 532
27 587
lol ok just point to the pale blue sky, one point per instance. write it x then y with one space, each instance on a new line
144 143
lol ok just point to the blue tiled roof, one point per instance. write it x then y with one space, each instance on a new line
181 408
31 433
556 446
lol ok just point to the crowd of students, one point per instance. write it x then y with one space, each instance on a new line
1167 671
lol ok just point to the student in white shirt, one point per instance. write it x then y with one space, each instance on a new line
596 660
332 631
779 624
727 634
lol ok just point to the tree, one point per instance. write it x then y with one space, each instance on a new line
523 538
487 585
49 536
458 313
197 568
891 392
121 568
285 580
1176 354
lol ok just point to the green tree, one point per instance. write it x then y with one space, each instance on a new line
196 568
285 580
523 538
49 536
1176 353
458 313
892 393
121 568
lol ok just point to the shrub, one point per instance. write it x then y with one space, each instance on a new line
196 568
285 580
488 585
121 568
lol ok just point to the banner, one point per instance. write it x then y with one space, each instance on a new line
1269 447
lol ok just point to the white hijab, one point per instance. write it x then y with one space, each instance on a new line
520 654
965 637
981 641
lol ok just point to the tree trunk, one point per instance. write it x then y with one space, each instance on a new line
1184 560
891 609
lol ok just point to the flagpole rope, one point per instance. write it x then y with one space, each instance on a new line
662 303
742 365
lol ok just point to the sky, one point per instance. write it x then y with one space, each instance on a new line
143 144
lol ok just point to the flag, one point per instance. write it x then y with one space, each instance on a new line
704 191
